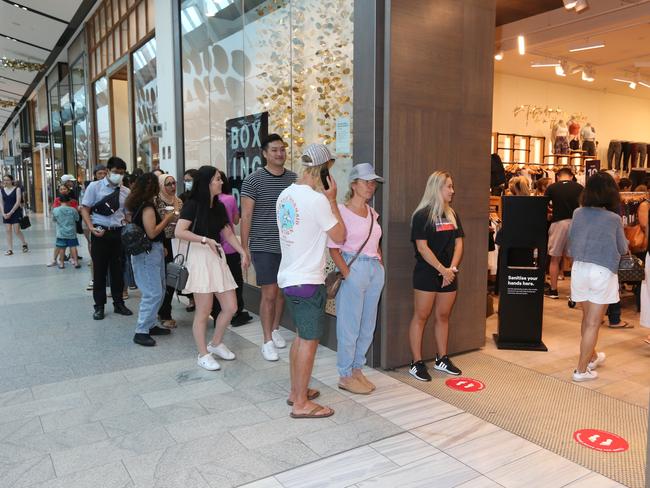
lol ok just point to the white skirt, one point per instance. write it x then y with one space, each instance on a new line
208 272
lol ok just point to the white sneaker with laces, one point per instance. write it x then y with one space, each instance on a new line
208 362
269 352
600 359
586 376
278 340
222 351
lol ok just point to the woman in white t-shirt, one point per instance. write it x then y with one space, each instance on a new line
358 296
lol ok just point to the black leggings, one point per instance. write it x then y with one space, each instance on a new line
165 311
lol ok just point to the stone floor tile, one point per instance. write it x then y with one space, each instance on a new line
26 473
185 392
269 482
20 428
112 475
404 448
16 397
48 442
439 470
347 436
42 407
594 480
454 431
338 471
480 482
114 449
278 430
216 423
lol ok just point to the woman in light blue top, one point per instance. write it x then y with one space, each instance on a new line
596 243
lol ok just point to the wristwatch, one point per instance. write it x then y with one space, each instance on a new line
203 240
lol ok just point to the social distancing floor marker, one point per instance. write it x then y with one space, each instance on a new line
600 440
465 384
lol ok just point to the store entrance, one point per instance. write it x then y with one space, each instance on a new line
120 119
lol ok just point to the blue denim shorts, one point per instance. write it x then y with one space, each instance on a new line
63 243
266 266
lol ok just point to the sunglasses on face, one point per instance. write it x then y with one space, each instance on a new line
171 183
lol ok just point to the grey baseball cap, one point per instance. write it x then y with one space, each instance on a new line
364 171
316 155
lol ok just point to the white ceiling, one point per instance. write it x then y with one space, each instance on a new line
36 28
624 26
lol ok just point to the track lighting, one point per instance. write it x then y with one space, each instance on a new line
587 46
521 45
498 56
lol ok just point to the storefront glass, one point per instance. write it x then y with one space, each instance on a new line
56 131
102 120
145 93
77 78
292 59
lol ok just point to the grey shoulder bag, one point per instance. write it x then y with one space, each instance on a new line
176 272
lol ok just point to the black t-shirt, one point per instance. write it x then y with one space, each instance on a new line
440 236
565 198
137 220
210 220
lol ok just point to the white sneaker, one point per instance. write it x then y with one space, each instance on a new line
268 351
208 362
586 376
600 359
222 351
278 340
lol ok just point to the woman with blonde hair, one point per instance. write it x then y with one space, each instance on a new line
518 186
437 235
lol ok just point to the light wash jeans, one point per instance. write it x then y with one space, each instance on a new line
356 312
149 271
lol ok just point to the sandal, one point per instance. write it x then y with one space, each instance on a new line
313 414
311 395
647 340
622 325
9 253
25 248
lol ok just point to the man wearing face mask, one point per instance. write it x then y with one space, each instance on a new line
103 212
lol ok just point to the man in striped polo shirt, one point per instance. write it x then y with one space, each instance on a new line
259 234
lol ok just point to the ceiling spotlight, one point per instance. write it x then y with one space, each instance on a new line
521 45
569 4
588 75
545 63
587 46
563 68
632 85
559 71
498 56
581 5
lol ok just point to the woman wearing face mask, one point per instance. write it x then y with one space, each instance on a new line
437 235
202 221
12 212
167 202
188 180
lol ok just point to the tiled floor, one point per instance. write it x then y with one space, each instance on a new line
82 406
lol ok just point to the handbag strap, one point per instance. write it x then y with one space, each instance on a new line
372 223
187 252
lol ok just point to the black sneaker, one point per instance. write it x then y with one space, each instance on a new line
444 364
144 340
241 319
99 312
121 309
419 371
552 294
155 330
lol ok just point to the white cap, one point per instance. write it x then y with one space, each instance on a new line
364 171
316 155
66 178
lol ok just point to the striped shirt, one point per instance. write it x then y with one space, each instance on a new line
264 188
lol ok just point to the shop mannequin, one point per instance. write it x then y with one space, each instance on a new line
574 133
560 136
588 136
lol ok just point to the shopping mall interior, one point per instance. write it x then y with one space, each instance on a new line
410 87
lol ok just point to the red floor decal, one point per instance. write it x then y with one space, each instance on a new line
465 384
600 440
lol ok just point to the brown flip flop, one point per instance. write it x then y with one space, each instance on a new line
311 394
312 414
624 326
647 341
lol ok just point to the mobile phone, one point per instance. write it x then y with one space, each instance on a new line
324 173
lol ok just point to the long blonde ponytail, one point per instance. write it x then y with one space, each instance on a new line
432 199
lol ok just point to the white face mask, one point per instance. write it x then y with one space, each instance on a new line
115 178
188 185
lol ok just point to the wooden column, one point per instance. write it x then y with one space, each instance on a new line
439 73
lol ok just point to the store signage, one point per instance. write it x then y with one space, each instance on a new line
600 440
244 136
343 135
592 166
465 384
523 281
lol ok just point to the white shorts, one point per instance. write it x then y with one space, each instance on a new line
593 283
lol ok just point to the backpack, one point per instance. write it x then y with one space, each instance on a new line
134 238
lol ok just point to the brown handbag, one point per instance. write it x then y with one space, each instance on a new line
636 237
334 279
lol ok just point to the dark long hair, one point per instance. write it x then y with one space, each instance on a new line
601 191
200 194
145 189
226 187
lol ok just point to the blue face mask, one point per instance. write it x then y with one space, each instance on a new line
188 185
115 178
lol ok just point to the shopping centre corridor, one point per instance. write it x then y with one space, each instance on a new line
82 406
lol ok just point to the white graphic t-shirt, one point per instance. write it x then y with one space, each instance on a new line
304 217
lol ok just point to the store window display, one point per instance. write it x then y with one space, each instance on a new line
560 138
588 136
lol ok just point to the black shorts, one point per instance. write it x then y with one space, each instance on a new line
266 266
426 278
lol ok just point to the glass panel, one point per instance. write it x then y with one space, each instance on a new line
56 132
122 7
80 120
96 29
116 11
142 20
151 15
102 22
145 90
124 29
133 34
131 3
109 45
102 120
116 43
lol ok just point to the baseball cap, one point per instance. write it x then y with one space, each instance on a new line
364 171
316 155
66 178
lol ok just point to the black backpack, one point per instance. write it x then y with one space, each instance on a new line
134 238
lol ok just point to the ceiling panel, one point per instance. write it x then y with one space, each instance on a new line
13 49
62 9
513 10
30 27
18 75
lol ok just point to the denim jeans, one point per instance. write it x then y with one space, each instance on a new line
356 312
149 271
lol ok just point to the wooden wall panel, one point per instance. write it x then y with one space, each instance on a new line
440 114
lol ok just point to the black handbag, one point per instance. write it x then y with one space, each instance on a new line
134 238
25 223
176 273
630 268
